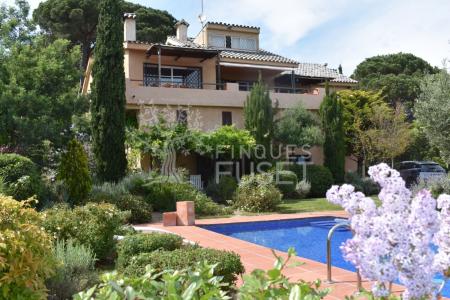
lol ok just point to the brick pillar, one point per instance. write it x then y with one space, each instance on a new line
185 213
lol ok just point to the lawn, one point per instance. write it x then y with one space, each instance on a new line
290 206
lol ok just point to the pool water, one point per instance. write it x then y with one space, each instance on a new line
308 237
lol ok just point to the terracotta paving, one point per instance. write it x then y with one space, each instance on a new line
258 257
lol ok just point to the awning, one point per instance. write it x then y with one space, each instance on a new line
256 66
167 50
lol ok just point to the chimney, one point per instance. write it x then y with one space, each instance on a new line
182 27
129 27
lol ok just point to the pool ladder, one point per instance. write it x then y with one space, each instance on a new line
340 223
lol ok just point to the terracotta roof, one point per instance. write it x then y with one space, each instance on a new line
314 70
231 25
259 55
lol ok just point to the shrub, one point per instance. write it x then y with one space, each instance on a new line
163 196
302 189
145 242
229 264
223 190
365 185
74 172
25 251
286 182
257 193
75 271
117 194
436 185
92 225
320 178
20 177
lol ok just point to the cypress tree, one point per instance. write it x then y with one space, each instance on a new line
74 172
108 94
258 115
331 112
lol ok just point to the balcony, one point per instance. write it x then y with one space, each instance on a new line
218 95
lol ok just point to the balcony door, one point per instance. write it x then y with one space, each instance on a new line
172 76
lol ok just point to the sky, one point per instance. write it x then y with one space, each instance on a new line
328 31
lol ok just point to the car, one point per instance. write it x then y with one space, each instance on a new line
413 171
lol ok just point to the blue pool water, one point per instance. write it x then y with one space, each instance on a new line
307 236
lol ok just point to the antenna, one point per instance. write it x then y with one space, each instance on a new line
202 16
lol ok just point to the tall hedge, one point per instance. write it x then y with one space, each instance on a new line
74 172
331 112
108 94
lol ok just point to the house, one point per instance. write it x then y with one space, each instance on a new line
205 80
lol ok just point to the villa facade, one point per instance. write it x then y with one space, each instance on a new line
204 80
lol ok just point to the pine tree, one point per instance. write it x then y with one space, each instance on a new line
108 94
74 172
331 112
258 115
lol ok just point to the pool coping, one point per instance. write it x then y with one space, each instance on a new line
255 256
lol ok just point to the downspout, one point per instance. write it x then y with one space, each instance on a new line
159 65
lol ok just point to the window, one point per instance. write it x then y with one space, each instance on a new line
182 116
228 42
243 43
185 77
227 118
217 41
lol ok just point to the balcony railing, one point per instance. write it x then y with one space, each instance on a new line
239 86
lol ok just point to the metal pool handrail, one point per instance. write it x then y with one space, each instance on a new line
341 223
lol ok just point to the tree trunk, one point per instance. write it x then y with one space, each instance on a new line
85 53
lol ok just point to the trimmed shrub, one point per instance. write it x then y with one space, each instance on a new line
257 193
117 194
365 185
145 242
319 177
93 225
25 251
74 172
229 263
286 182
19 176
223 190
302 189
75 271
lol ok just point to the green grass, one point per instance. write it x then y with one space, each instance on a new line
290 206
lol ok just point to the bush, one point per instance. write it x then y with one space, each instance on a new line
257 193
286 182
302 189
117 194
25 251
365 185
74 172
320 178
145 242
75 271
437 186
163 196
20 177
92 225
229 263
223 190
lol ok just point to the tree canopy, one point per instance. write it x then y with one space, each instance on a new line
38 87
299 126
397 75
432 111
77 20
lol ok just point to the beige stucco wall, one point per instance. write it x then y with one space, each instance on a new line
135 59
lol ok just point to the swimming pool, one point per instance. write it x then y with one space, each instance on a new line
308 236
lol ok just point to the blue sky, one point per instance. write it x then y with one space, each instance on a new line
329 31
